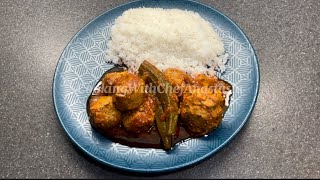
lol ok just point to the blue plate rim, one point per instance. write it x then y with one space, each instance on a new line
172 168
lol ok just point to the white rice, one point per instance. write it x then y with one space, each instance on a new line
167 38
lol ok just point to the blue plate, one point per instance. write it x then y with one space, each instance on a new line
83 62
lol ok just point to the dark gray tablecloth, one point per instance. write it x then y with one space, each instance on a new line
281 139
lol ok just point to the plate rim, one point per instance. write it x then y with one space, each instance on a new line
171 168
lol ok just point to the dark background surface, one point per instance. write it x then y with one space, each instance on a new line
281 139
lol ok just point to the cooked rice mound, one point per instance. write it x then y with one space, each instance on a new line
166 38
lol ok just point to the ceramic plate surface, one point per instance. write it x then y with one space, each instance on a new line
83 62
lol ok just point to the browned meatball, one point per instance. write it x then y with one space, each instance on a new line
178 79
128 89
202 110
212 82
103 113
141 119
203 80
